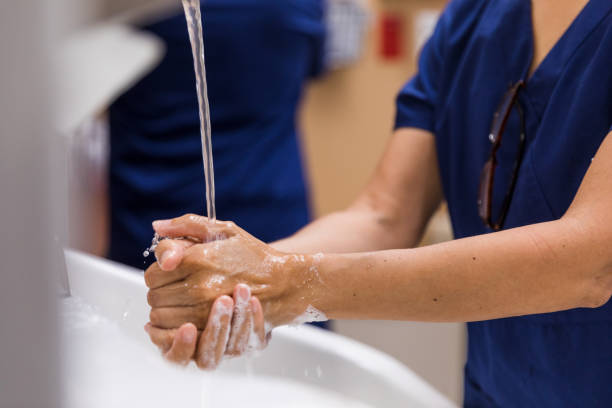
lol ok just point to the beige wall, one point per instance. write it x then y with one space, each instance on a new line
348 116
347 120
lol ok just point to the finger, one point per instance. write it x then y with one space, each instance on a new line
173 317
155 277
213 341
177 294
242 321
191 225
258 340
169 253
162 338
184 345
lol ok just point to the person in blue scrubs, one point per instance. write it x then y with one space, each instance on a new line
259 56
561 359
509 119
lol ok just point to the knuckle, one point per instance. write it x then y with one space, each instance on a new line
197 294
153 298
148 276
192 218
155 317
150 298
184 217
230 229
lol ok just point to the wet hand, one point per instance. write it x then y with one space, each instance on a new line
204 269
193 273
233 328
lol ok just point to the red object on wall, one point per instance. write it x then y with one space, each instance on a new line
391 36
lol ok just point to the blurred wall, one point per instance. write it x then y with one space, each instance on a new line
29 360
348 116
347 120
70 15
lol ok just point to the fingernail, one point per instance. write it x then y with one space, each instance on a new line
225 305
159 224
243 293
188 336
146 327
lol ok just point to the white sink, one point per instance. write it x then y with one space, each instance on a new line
119 366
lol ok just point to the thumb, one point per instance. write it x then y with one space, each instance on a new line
184 345
170 252
191 225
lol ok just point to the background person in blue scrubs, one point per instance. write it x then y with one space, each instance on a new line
259 56
522 87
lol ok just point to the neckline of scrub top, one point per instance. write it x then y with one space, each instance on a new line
541 82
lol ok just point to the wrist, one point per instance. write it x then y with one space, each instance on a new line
322 276
344 286
309 286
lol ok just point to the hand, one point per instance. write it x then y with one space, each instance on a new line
190 275
208 348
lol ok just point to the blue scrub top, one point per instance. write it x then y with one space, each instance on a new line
259 54
480 48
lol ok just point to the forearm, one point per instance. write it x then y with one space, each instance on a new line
536 269
391 212
351 230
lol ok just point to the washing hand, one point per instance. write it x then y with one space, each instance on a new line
191 284
223 334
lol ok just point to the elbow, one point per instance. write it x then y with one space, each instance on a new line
601 283
596 281
599 289
596 299
386 220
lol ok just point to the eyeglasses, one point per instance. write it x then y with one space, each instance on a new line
485 191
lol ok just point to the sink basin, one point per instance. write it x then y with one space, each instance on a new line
109 360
